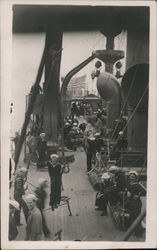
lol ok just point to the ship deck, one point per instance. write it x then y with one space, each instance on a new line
85 223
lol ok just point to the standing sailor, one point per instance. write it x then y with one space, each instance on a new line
41 149
55 173
34 222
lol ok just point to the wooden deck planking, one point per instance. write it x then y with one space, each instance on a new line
85 222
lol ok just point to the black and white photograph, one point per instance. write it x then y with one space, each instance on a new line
79 118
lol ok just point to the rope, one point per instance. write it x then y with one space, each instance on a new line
134 111
138 104
125 99
31 184
130 88
130 166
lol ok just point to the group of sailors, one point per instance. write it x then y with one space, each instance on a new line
33 204
115 189
74 133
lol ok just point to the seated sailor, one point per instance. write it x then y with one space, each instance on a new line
133 202
105 195
120 180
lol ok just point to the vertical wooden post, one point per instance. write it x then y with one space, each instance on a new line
52 85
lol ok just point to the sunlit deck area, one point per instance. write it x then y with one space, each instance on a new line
85 223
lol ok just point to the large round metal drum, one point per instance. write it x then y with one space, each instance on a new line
108 86
109 89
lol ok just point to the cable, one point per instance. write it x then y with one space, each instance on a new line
130 88
138 104
133 113
130 166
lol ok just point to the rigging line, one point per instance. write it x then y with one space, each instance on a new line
31 184
120 158
126 99
138 104
133 113
131 165
130 88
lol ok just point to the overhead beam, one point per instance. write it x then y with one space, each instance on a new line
74 18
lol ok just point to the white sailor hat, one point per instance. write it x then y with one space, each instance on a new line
124 117
121 133
42 135
75 124
31 197
97 134
15 204
105 176
54 156
133 172
92 138
113 168
23 170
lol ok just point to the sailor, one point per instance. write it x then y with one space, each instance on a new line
82 126
133 207
82 111
133 184
133 203
41 150
74 110
55 173
19 191
32 145
121 142
106 189
75 121
99 114
90 151
34 222
119 176
120 180
70 137
41 195
99 141
67 128
13 232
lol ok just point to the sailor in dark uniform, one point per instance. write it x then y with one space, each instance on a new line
133 204
107 188
121 142
67 128
90 151
55 173
41 149
119 177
